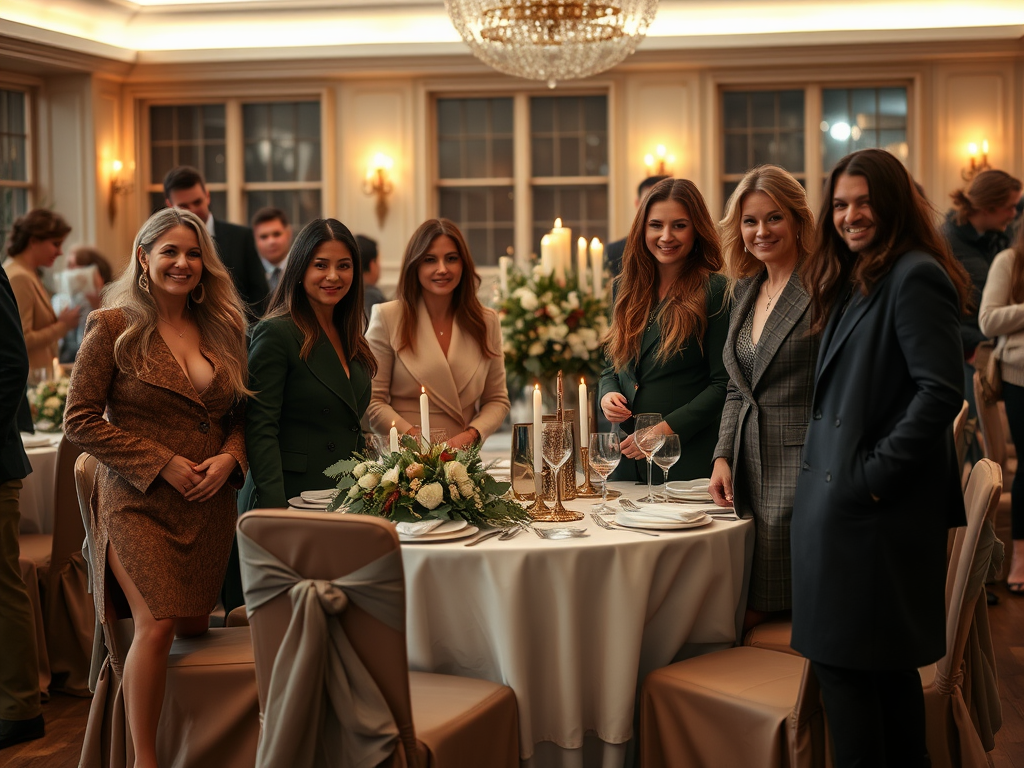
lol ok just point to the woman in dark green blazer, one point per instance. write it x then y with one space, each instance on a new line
310 368
669 326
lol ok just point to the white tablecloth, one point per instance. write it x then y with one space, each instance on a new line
37 493
574 626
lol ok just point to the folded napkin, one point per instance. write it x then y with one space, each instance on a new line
661 513
418 529
38 441
316 497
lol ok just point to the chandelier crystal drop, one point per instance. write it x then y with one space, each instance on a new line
552 40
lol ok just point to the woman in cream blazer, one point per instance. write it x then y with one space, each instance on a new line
438 336
35 242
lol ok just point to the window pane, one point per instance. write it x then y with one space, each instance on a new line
736 153
763 127
161 127
578 128
762 109
188 154
476 159
569 156
476 117
214 122
474 138
282 141
501 157
13 203
543 156
583 208
449 158
13 136
734 110
187 135
215 163
188 123
301 205
859 118
484 215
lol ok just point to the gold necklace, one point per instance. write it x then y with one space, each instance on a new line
181 334
771 297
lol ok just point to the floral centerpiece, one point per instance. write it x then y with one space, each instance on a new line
47 400
548 326
410 485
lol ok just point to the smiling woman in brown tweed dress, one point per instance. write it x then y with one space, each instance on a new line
165 360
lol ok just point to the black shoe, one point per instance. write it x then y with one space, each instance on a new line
16 731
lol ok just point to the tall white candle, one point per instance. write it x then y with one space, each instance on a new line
538 445
547 254
57 370
581 264
424 415
597 264
504 264
584 415
562 238
394 438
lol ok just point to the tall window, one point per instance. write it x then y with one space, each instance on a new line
15 171
762 127
560 165
858 118
278 143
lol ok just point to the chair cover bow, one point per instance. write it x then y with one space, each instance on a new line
324 709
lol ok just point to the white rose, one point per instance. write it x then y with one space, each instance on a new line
430 495
391 476
553 312
369 481
51 402
456 472
536 349
62 390
539 271
355 491
572 301
527 299
359 470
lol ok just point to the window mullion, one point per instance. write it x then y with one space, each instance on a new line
812 145
235 159
521 193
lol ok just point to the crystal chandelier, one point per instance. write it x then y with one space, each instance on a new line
552 40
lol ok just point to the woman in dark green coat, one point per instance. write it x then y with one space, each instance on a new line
669 325
310 368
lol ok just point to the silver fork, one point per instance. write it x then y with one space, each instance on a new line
509 533
615 526
723 515
629 504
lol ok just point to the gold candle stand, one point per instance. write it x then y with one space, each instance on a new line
587 490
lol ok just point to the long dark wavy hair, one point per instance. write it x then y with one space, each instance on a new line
290 296
684 312
903 220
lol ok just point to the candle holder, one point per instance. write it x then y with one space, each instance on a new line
557 450
587 490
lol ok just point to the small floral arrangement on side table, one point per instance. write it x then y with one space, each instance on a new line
411 485
550 326
47 400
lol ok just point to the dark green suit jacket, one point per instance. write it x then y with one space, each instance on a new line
688 389
304 416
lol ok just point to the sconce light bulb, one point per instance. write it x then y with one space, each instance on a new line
649 160
972 149
117 165
984 147
660 149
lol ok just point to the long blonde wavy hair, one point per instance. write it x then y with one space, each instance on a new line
219 318
683 314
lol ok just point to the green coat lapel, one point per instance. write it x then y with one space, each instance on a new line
324 364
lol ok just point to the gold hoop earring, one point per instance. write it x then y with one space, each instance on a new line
202 293
144 281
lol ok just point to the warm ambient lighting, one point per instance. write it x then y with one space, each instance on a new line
660 163
977 164
378 183
117 187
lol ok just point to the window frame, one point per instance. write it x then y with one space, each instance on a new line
30 184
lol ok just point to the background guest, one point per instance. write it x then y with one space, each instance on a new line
1002 314
82 256
879 486
669 325
273 236
770 356
613 252
438 335
20 716
35 242
184 188
165 363
371 273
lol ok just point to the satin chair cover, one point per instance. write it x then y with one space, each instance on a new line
442 720
994 442
953 739
210 715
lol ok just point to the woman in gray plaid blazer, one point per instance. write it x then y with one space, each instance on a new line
770 356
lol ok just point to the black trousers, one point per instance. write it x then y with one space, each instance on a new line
1013 396
876 718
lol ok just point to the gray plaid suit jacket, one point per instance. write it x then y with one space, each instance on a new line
763 427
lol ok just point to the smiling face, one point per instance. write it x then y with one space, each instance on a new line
669 234
767 230
174 263
328 276
852 215
440 269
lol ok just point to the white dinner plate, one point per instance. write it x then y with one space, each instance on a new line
299 503
449 531
668 525
696 496
39 440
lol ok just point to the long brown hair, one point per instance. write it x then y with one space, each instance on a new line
219 317
469 312
684 312
903 222
290 299
987 191
786 192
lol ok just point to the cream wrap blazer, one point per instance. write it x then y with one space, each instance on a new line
466 389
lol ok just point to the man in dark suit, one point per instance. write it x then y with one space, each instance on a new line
184 188
878 486
20 717
613 252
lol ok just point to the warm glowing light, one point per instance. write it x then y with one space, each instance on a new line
984 147
558 223
972 149
117 165
840 131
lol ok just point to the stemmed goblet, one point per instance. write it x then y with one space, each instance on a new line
604 457
556 444
648 438
665 457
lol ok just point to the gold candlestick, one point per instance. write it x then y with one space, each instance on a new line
587 490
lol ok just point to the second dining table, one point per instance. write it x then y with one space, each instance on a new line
574 625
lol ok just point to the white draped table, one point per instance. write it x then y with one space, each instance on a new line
574 625
37 492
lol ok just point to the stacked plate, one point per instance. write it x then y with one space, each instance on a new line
432 531
690 490
314 499
662 517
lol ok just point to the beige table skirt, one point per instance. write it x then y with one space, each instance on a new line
37 492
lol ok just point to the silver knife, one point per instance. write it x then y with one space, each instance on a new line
485 537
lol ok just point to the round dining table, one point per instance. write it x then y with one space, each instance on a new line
574 625
37 492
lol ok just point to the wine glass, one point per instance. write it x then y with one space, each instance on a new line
648 439
665 457
604 457
557 448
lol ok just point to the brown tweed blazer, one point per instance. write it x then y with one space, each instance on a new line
763 427
175 551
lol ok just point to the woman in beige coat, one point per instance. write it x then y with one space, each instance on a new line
35 242
439 337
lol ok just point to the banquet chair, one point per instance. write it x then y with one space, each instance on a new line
323 586
960 439
210 714
994 442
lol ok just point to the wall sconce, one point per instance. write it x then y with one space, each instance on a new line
378 183
117 187
976 166
660 163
